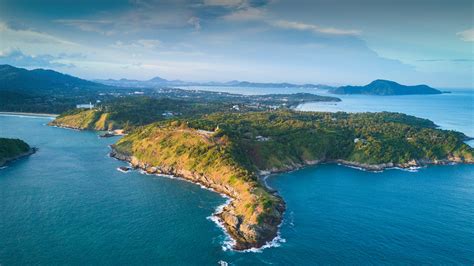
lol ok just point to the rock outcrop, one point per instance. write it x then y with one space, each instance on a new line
247 230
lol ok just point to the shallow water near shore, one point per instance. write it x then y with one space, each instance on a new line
67 204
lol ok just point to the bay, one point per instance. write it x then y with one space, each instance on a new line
67 204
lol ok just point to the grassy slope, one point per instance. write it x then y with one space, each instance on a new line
178 147
297 137
232 156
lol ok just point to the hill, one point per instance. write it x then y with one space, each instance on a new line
12 149
229 152
384 88
13 78
45 91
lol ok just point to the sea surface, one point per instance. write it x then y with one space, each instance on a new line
67 204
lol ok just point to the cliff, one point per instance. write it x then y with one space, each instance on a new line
254 213
228 153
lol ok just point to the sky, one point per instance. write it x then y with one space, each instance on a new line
335 42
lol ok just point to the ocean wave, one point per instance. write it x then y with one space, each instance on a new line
125 172
412 169
228 242
276 242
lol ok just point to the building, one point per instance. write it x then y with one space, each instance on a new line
89 105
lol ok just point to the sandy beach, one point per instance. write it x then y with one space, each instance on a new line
28 114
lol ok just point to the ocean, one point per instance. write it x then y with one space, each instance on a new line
68 204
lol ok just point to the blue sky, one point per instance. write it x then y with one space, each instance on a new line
319 41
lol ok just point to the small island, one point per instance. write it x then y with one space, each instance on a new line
231 153
385 88
13 149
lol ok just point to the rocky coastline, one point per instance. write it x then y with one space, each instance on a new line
247 236
244 235
368 167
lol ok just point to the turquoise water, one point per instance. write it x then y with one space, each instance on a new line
453 110
67 204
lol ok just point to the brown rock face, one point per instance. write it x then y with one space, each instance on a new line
246 234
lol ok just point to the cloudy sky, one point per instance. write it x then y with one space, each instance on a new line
319 41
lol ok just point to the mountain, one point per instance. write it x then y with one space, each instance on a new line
158 82
46 91
384 88
16 79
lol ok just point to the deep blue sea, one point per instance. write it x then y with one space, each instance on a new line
67 204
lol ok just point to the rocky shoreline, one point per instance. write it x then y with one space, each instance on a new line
244 235
367 167
247 236
11 159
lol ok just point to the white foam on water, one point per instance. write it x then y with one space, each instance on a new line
223 263
125 172
228 242
276 242
360 168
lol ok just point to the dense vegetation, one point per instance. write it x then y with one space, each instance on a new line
255 213
12 148
385 87
228 151
270 140
45 91
128 112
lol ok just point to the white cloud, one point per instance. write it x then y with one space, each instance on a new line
314 28
467 35
141 43
225 3
103 27
18 58
246 14
29 35
195 22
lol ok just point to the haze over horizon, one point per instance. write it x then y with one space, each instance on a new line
330 42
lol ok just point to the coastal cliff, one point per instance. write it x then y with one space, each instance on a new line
229 153
13 149
254 213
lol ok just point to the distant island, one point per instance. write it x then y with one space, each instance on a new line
231 152
13 149
385 88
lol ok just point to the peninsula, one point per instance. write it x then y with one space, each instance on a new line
385 88
230 152
13 149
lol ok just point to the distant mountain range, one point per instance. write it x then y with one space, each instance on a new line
42 80
385 88
159 82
